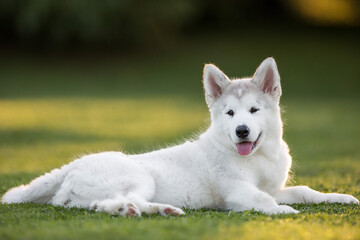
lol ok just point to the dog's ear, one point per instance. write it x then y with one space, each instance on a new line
215 81
267 77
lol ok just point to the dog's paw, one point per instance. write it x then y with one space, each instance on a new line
168 210
281 209
340 198
115 207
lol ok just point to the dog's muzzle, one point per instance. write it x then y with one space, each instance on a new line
246 147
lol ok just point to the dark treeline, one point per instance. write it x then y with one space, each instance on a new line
129 22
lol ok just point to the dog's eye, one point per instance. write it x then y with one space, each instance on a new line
230 113
254 110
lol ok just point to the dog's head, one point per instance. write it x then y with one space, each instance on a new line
244 111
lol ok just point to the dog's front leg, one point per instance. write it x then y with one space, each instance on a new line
242 195
303 194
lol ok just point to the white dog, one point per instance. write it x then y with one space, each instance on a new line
241 162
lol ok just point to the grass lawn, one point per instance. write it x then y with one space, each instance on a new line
52 112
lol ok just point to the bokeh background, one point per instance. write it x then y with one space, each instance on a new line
87 76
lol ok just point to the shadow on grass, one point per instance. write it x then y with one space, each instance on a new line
38 135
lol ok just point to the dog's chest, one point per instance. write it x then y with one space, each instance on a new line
266 175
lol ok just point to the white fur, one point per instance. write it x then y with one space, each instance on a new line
206 173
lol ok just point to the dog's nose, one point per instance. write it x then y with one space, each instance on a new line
242 131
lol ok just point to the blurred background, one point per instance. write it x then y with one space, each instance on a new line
57 48
82 76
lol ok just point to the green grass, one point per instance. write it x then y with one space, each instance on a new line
38 135
53 110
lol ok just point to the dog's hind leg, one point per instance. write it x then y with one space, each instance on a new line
116 206
151 207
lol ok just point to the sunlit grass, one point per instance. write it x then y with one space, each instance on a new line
37 135
290 229
128 118
41 134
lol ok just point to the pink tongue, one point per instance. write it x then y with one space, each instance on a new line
244 148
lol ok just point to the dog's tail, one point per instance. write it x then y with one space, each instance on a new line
40 190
